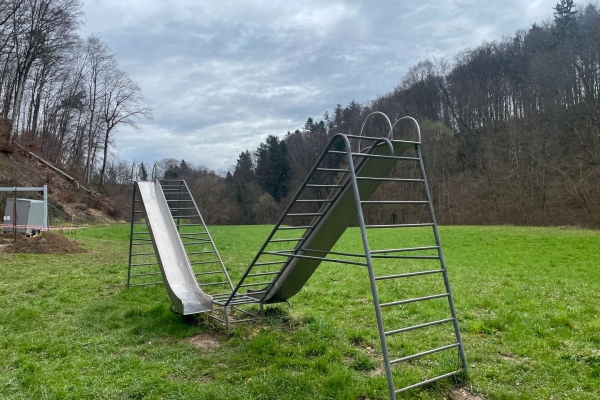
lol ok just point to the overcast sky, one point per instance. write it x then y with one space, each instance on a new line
221 76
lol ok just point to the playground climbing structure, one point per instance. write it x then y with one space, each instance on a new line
410 290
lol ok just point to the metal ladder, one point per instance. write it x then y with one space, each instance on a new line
316 196
193 232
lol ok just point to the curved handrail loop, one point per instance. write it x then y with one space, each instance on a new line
155 172
390 135
412 119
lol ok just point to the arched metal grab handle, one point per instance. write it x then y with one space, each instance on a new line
155 172
412 119
390 135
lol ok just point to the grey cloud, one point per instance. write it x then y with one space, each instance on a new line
221 76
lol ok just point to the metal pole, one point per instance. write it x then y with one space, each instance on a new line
131 236
363 232
179 204
461 349
46 222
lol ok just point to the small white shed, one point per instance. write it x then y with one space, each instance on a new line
29 216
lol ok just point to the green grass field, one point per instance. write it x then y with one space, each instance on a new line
528 301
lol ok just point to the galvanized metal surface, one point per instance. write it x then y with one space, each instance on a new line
178 276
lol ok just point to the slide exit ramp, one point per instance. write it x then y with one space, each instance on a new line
336 194
172 236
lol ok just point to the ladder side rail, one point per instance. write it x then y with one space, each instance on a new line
461 349
369 261
178 222
285 213
131 234
212 243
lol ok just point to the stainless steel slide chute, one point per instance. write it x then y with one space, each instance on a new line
177 274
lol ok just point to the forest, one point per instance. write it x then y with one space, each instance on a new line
510 129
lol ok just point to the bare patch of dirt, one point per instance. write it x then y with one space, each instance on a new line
378 371
464 394
204 341
47 243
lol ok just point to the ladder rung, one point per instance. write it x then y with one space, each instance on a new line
138 212
141 233
182 200
325 186
304 215
409 257
374 138
375 156
206 262
337 253
285 240
143 254
435 271
410 328
203 252
368 178
183 234
183 216
395 202
202 242
428 381
148 274
335 260
314 201
148 243
268 263
182 208
214 283
333 170
424 353
286 228
262 274
255 284
405 249
209 273
144 264
399 225
396 303
248 300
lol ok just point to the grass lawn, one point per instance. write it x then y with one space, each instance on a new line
528 301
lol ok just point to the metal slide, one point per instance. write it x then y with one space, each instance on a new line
177 273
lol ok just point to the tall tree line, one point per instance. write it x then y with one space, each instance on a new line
59 93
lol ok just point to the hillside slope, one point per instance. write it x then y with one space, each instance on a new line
68 200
